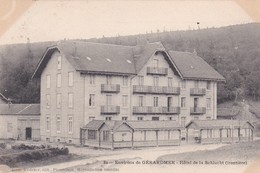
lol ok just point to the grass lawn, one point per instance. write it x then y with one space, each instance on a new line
242 151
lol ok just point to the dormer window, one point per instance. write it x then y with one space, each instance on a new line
59 62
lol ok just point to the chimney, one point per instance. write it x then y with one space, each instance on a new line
75 53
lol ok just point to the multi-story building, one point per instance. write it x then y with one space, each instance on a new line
83 81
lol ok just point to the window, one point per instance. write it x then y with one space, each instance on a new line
70 124
228 133
92 79
155 81
169 81
183 84
141 101
208 103
155 101
155 118
9 127
208 85
196 84
124 100
71 100
183 102
91 118
48 81
140 80
209 133
140 118
59 62
71 78
155 63
108 99
169 118
48 101
106 135
58 123
183 121
48 123
108 118
91 100
108 80
92 134
125 81
124 118
58 80
58 101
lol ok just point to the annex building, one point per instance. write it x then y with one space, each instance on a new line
82 81
20 121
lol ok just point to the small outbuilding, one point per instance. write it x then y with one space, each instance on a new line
219 131
130 134
20 121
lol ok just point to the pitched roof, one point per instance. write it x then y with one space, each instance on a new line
154 125
19 109
192 66
205 124
88 57
2 97
136 125
142 53
94 124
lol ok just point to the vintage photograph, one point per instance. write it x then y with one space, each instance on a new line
129 86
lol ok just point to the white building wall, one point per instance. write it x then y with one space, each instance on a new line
83 113
76 112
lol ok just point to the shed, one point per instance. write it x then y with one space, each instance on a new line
219 131
20 121
127 134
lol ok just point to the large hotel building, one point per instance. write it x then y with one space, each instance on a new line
82 81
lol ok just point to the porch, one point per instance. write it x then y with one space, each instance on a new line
130 134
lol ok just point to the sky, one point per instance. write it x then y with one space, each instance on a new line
50 20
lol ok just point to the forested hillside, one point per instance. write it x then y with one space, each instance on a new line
233 51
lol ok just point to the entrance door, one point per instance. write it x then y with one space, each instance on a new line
196 103
28 133
169 103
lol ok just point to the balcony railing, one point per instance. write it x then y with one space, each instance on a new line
110 109
155 110
197 91
157 70
143 89
109 88
197 110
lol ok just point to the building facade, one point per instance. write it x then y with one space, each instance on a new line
20 121
83 81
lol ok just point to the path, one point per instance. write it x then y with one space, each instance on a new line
144 154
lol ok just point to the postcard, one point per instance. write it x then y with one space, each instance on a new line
129 86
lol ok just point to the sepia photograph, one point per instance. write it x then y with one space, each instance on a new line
130 86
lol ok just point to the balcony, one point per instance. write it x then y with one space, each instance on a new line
110 110
157 70
143 89
197 91
155 110
109 88
197 110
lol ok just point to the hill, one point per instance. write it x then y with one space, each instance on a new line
234 51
